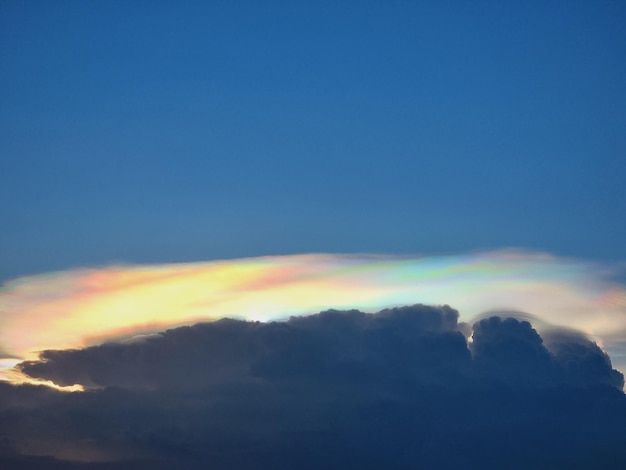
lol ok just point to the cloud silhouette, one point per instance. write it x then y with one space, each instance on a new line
76 308
401 388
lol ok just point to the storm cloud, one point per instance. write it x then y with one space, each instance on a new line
401 388
77 308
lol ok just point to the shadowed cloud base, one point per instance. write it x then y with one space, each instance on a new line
402 388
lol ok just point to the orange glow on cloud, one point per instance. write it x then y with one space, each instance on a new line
75 308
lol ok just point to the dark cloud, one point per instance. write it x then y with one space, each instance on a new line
580 360
400 389
512 351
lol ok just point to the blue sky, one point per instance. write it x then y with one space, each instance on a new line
184 131
159 132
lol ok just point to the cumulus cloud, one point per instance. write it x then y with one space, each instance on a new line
401 388
198 356
407 387
76 308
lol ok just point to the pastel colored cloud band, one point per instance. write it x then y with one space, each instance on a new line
75 308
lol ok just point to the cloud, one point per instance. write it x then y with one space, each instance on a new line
511 350
74 309
198 356
425 339
580 359
400 388
170 383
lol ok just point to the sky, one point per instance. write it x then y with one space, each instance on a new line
427 196
151 132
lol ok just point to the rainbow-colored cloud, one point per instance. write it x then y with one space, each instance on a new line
72 309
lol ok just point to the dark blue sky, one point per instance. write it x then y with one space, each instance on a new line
180 131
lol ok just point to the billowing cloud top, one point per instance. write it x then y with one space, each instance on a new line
76 308
401 388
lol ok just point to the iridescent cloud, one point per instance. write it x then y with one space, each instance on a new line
72 309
